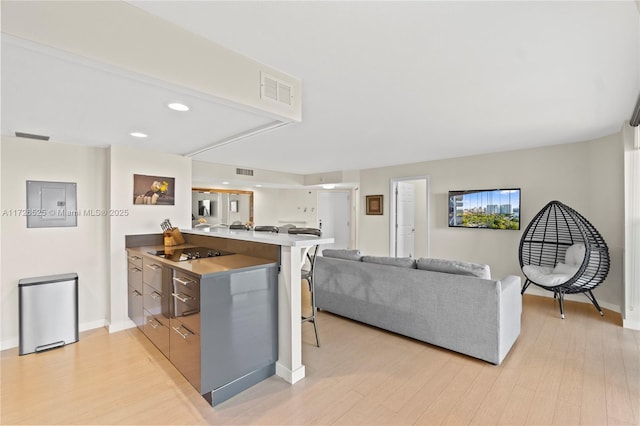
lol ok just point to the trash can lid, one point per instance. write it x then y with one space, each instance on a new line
48 279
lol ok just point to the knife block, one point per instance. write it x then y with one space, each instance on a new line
173 237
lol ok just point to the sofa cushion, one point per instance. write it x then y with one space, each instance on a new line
342 254
404 262
454 267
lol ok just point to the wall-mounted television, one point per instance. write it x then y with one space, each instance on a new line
485 208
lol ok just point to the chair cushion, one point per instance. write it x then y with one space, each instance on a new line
457 267
404 262
545 275
343 254
562 268
575 254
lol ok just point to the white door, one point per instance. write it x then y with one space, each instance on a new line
405 223
333 217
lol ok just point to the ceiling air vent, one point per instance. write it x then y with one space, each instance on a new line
244 172
276 90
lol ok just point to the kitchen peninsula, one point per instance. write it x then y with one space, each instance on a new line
226 277
290 250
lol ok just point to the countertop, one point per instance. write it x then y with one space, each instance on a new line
261 237
202 266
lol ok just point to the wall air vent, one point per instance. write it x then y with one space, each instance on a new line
275 90
32 136
244 172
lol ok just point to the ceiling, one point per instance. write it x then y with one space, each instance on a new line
384 83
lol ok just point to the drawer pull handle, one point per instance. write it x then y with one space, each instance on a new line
185 335
135 258
154 267
136 269
136 293
183 281
151 323
155 295
190 312
182 297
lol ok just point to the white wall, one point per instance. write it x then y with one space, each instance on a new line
31 252
587 176
142 219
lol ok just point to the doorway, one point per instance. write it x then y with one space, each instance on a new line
333 217
409 217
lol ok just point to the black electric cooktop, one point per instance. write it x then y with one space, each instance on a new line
190 253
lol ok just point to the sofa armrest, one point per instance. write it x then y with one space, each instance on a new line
510 313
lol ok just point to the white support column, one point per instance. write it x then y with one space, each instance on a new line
631 305
289 365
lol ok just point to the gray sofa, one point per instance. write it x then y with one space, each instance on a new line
460 309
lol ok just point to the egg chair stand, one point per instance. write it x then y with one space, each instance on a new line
554 235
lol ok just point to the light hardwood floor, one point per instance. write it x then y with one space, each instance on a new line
581 370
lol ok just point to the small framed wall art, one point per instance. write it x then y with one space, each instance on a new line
374 204
154 190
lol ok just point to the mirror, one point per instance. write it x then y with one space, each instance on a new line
204 208
211 206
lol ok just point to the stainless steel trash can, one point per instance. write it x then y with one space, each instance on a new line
48 312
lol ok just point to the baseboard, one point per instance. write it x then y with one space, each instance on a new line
288 375
121 325
631 324
9 343
92 325
581 298
85 326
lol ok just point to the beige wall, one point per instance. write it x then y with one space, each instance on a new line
587 176
31 252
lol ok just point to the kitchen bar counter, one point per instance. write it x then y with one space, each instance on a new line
287 240
292 251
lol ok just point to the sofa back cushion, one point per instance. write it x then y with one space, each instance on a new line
343 254
454 267
404 262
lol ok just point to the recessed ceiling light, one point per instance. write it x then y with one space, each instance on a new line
258 186
329 186
177 106
138 134
225 183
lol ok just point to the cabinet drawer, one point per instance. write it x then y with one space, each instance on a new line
156 327
186 308
152 300
135 259
186 283
134 300
152 273
134 276
185 351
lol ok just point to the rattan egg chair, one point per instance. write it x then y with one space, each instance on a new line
551 254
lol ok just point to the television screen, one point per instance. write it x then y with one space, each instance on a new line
485 208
